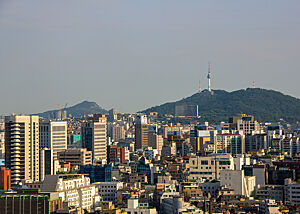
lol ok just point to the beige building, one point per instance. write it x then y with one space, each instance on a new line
94 137
209 167
53 135
22 147
75 157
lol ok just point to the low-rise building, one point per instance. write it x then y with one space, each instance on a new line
177 205
268 207
209 167
209 187
291 192
76 190
235 179
133 208
32 202
274 192
108 190
75 157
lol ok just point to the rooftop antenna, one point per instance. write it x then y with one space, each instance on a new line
253 84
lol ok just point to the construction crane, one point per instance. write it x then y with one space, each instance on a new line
61 113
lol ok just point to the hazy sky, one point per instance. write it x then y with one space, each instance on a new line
135 54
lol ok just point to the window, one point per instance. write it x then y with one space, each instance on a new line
204 162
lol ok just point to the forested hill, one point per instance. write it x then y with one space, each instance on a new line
265 105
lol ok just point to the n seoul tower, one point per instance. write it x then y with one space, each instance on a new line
208 77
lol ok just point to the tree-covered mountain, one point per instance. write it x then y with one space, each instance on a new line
265 105
78 110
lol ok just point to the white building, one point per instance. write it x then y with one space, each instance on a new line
108 190
209 167
53 135
133 208
292 191
74 189
169 192
235 179
240 160
176 205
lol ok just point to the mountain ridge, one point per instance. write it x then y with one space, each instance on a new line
264 104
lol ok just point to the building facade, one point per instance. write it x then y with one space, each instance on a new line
22 147
53 135
141 132
94 133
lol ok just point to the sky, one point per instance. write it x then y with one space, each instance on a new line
134 54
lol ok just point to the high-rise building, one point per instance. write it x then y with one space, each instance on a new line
155 140
116 132
229 143
112 115
5 177
53 135
94 136
22 147
115 154
46 163
141 132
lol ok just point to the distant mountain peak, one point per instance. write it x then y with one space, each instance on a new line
78 110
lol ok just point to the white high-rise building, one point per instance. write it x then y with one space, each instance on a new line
22 147
53 135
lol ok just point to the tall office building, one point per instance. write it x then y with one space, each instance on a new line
94 136
46 163
141 132
53 135
155 140
22 147
112 115
116 132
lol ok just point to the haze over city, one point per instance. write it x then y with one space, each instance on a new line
131 55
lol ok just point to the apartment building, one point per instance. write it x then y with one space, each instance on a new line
22 147
74 189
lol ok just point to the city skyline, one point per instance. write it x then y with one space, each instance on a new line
132 56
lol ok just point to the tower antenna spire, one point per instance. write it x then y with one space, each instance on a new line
200 90
209 77
253 84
